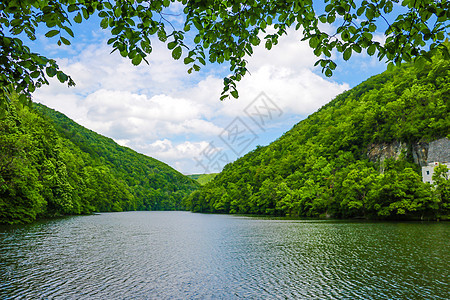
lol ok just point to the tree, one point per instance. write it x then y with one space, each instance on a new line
399 191
223 30
441 179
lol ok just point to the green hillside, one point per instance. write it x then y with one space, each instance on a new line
203 179
51 166
321 168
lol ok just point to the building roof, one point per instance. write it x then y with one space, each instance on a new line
439 150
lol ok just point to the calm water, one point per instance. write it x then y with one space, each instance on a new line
180 255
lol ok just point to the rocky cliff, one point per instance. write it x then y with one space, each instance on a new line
422 153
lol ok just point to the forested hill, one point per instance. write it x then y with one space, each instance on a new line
51 166
321 166
203 179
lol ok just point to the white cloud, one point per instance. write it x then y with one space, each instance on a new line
126 115
295 91
107 104
166 150
180 156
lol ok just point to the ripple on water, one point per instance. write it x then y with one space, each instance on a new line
176 255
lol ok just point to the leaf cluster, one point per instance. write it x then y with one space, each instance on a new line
223 31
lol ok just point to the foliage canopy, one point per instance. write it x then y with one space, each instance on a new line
222 30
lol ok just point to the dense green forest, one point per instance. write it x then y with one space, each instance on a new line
51 166
321 168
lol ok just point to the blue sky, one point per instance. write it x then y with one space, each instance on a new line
162 111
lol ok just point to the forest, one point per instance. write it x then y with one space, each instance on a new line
51 166
321 168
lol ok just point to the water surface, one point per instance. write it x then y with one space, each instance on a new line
181 255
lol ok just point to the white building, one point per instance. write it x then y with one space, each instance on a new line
438 153
427 171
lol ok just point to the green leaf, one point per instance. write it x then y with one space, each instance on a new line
255 41
111 40
347 53
331 18
263 25
116 30
317 51
360 10
52 33
235 94
104 23
332 65
145 45
117 12
162 35
62 77
314 42
171 45
69 31
35 74
357 48
370 13
367 35
188 60
65 41
85 13
72 8
136 59
371 50
132 54
176 53
50 71
78 18
124 53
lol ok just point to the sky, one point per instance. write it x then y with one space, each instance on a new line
162 111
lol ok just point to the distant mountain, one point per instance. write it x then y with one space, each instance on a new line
51 166
203 178
359 156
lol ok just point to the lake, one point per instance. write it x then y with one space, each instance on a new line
182 255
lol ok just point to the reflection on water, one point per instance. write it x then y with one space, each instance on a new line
180 255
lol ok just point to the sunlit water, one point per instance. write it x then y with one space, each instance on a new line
180 255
